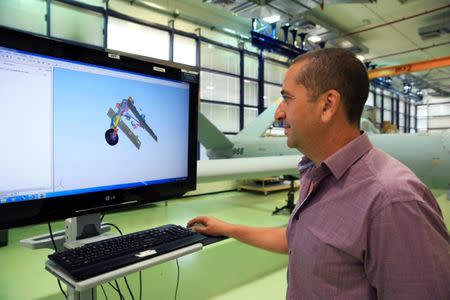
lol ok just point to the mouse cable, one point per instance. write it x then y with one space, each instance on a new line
178 278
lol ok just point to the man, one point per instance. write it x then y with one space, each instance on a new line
365 227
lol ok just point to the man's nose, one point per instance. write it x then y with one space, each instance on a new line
279 113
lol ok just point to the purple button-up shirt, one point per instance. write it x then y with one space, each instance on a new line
369 229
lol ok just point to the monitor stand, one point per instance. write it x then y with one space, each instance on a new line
78 231
3 237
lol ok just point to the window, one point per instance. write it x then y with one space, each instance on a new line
401 121
369 101
250 92
225 117
274 72
439 110
24 15
271 93
422 111
387 103
402 107
67 22
138 39
184 50
250 114
218 87
219 58
387 115
378 116
251 66
422 124
442 122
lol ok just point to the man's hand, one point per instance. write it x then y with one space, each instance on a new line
210 226
272 239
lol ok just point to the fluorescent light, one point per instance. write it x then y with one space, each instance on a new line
360 57
345 44
229 30
272 19
314 38
153 5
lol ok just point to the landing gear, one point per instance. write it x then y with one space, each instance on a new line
111 137
290 205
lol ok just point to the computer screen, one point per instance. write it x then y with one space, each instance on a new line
85 130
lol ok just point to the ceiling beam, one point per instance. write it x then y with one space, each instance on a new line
410 68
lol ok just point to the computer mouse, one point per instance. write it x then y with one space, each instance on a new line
197 225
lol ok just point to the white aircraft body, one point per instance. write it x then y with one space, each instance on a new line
250 154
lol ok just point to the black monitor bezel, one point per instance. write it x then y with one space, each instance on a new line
49 209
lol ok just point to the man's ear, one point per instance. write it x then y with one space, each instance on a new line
331 101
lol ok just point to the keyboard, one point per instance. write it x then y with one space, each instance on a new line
107 255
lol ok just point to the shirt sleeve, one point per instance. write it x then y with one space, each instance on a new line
408 252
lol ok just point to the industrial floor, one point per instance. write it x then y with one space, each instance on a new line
223 271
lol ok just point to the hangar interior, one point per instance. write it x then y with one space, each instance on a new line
238 82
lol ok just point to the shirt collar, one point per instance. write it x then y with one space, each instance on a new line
344 158
304 164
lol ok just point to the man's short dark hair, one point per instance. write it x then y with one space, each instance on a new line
338 69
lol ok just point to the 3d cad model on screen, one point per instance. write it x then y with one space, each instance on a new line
122 108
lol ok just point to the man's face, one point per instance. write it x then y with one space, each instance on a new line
300 116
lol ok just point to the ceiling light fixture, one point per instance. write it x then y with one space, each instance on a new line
153 5
229 30
314 39
407 87
272 19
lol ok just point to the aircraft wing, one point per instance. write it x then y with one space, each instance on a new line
246 168
210 136
133 138
141 120
259 126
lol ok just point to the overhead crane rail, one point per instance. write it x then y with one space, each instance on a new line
410 68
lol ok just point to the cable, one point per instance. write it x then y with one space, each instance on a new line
104 292
178 278
128 287
125 278
112 225
119 291
61 288
51 236
140 285
113 286
56 250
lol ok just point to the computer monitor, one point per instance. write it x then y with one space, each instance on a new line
87 131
